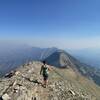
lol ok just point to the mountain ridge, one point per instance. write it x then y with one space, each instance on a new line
25 84
53 56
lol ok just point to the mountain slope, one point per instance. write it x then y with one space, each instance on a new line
62 59
64 84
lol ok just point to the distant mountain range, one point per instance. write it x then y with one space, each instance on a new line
13 56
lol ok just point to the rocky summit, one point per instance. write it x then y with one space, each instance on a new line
25 83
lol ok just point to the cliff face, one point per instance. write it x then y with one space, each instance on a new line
64 84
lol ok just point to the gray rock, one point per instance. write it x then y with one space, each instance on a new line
6 97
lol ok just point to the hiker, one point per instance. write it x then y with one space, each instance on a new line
45 72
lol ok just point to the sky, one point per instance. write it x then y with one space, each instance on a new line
64 24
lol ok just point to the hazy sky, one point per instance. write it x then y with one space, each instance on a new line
46 23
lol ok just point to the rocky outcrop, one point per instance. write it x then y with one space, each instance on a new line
26 84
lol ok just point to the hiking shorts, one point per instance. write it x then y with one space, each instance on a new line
45 77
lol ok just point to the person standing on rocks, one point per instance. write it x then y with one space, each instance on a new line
45 72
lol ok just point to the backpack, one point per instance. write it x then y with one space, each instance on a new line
45 70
